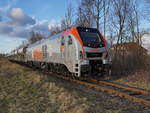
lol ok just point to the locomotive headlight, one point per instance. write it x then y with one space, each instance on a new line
85 62
105 61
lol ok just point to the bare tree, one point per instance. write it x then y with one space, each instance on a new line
147 10
98 6
67 22
55 29
102 12
129 55
35 36
134 18
121 10
132 23
81 18
85 13
137 25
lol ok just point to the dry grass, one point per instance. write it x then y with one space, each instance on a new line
139 79
23 90
26 91
132 70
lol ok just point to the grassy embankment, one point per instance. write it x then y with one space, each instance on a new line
23 90
138 80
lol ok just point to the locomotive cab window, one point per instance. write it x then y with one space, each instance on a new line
62 41
69 40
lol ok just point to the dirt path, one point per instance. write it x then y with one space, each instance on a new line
23 90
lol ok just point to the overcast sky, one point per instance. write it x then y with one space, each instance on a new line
19 17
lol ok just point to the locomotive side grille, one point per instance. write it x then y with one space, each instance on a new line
92 55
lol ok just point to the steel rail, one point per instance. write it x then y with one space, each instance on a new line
139 91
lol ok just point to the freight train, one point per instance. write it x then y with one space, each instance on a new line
78 51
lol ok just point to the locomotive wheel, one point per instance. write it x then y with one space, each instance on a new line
46 67
30 64
43 66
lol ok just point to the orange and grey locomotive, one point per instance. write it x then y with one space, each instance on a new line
79 51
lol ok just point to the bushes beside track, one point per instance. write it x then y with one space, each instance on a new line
129 58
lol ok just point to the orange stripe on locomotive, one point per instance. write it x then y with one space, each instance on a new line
37 54
75 33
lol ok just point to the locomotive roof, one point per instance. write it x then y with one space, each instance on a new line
44 40
60 34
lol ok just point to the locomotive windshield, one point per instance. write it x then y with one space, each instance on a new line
91 37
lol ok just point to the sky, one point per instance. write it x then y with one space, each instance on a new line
19 17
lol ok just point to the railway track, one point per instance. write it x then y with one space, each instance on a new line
133 94
130 93
137 91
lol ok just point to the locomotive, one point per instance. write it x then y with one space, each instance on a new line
78 51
